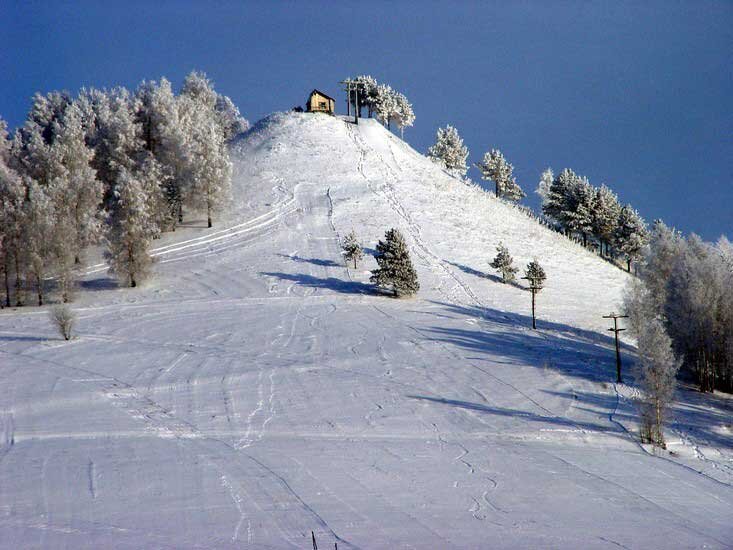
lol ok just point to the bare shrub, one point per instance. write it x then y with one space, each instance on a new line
63 317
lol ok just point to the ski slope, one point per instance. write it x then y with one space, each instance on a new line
256 389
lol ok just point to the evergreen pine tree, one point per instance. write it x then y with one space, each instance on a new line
535 274
504 264
365 87
558 204
579 213
449 150
630 235
496 168
352 249
395 267
605 213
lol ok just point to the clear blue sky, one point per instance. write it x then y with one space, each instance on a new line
637 95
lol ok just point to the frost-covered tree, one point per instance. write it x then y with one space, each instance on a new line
665 245
50 151
131 230
496 168
117 138
403 115
504 264
558 203
658 370
165 138
686 283
38 233
630 235
384 104
605 212
45 112
75 189
231 121
693 308
449 150
208 170
63 319
12 198
363 87
543 187
352 249
579 216
395 266
535 274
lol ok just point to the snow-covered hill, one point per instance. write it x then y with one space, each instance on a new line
257 390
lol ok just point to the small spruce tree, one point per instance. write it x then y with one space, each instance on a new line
352 248
504 264
395 267
535 274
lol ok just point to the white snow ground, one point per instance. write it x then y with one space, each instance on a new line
256 389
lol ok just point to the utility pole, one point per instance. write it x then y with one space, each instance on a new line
356 105
615 331
348 98
534 288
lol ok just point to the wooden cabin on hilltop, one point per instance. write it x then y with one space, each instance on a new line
318 102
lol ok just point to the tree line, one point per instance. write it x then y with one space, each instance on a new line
574 205
685 286
389 105
110 167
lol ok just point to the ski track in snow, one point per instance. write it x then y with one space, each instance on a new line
258 390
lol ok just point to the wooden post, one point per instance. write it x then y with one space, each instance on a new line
348 99
534 289
615 331
356 105
534 318
313 536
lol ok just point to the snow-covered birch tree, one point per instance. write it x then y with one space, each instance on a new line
658 368
131 230
209 170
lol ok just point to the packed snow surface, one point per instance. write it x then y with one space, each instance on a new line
256 389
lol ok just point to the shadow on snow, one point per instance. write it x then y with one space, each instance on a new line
330 283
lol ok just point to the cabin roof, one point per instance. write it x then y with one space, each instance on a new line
319 92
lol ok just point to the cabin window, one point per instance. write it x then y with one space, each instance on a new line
321 104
